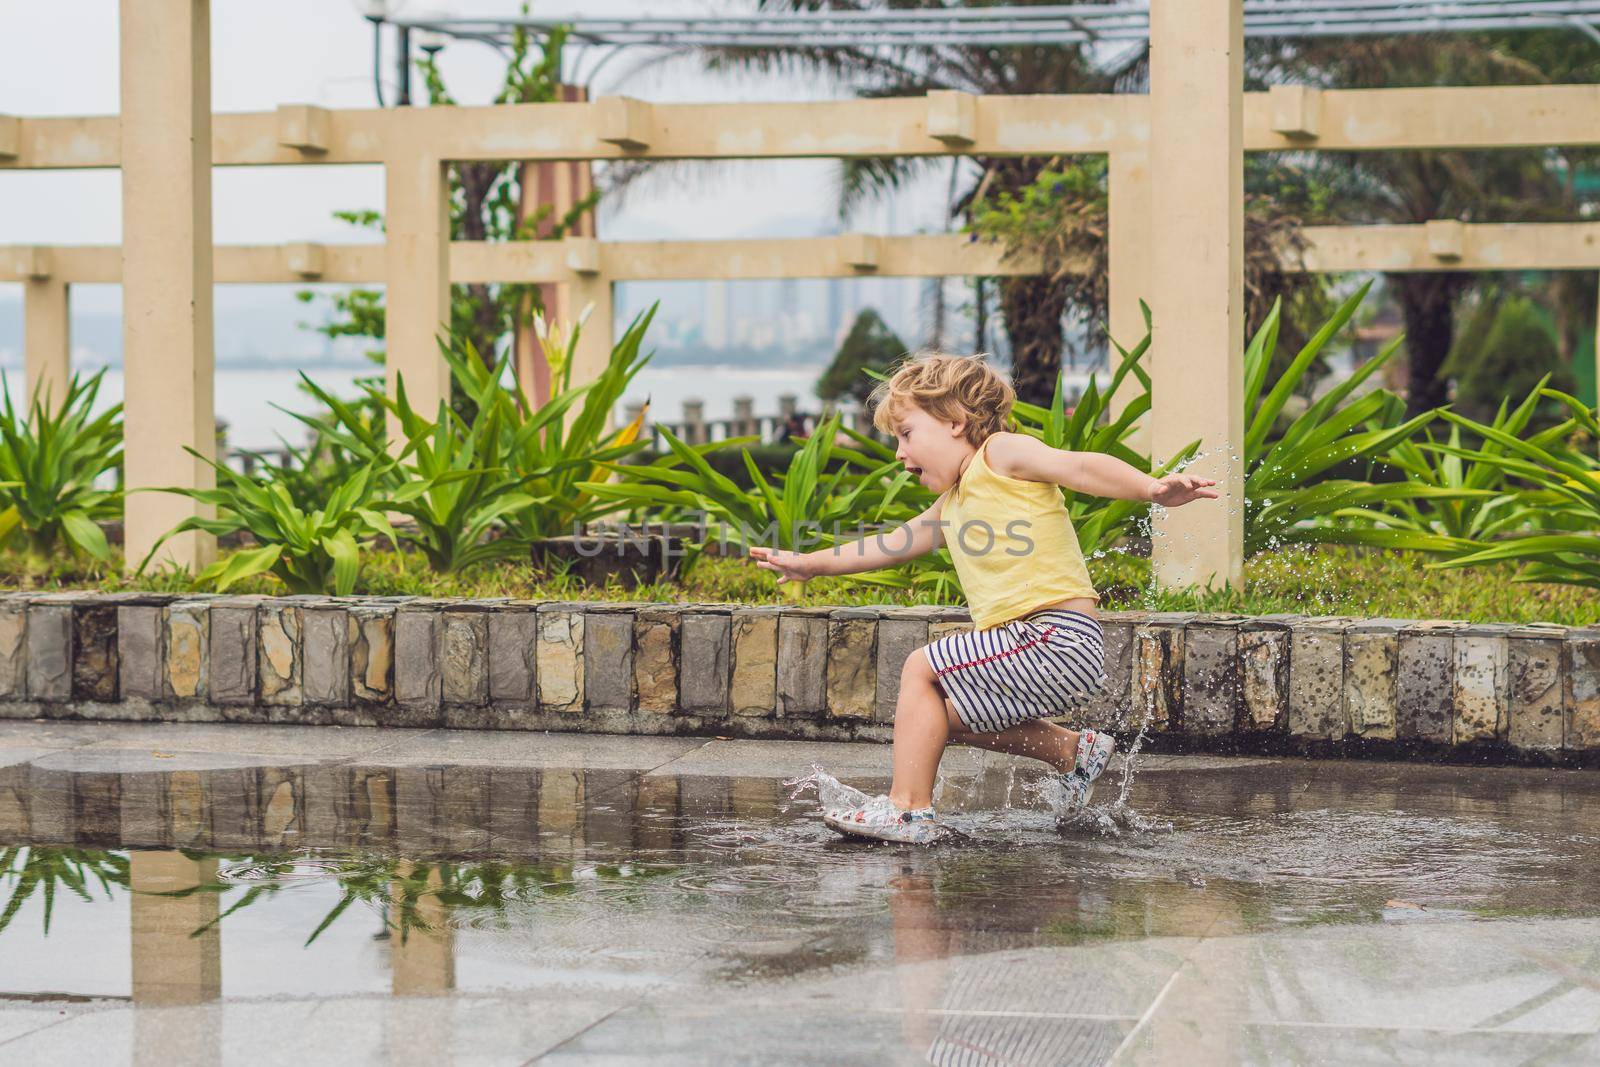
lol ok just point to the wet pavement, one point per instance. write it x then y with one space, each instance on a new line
175 894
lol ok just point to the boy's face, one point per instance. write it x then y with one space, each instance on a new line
930 448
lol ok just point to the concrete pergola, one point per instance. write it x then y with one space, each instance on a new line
1176 177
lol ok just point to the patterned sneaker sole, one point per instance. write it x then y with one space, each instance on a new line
862 832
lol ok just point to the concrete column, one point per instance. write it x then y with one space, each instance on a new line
417 280
169 965
166 270
1197 158
46 338
1130 254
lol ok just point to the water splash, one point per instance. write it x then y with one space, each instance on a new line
831 793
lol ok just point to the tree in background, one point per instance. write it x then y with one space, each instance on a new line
1032 308
485 205
1415 187
1507 345
870 345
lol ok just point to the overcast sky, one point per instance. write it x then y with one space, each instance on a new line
62 59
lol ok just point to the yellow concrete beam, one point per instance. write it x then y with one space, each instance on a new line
939 124
1329 249
618 128
1500 116
416 283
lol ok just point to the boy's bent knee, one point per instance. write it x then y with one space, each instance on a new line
918 669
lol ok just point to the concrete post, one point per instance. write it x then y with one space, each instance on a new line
694 422
1197 157
46 338
417 281
166 270
1130 255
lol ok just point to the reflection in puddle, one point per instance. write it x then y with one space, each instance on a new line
404 881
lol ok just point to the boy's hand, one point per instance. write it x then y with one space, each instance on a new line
1177 489
789 566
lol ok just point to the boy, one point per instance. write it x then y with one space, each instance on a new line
1035 650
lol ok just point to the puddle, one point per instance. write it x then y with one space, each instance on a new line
358 879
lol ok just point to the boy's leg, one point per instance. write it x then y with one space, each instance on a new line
921 731
1040 740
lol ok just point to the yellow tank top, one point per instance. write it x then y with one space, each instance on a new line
1012 543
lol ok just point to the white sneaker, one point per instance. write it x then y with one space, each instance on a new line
1094 752
1073 791
880 820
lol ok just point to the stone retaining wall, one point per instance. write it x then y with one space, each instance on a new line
1203 681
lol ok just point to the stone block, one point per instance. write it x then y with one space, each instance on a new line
325 656
94 656
234 645
1210 676
705 650
1534 689
141 659
852 691
1371 679
278 654
754 686
946 627
608 660
1580 662
1264 675
561 659
1158 675
49 638
371 642
418 681
1109 707
1316 680
897 640
1482 696
655 659
512 636
188 630
465 664
13 648
1425 684
802 665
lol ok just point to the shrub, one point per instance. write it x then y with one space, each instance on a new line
50 464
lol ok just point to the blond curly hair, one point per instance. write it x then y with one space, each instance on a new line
964 389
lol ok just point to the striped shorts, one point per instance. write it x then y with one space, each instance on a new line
1037 667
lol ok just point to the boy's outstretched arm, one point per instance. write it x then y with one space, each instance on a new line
916 538
1095 473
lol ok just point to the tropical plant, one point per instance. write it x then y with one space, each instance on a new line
826 487
1563 497
51 463
310 552
510 470
1488 506
1293 488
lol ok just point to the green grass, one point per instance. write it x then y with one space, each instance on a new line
1307 580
